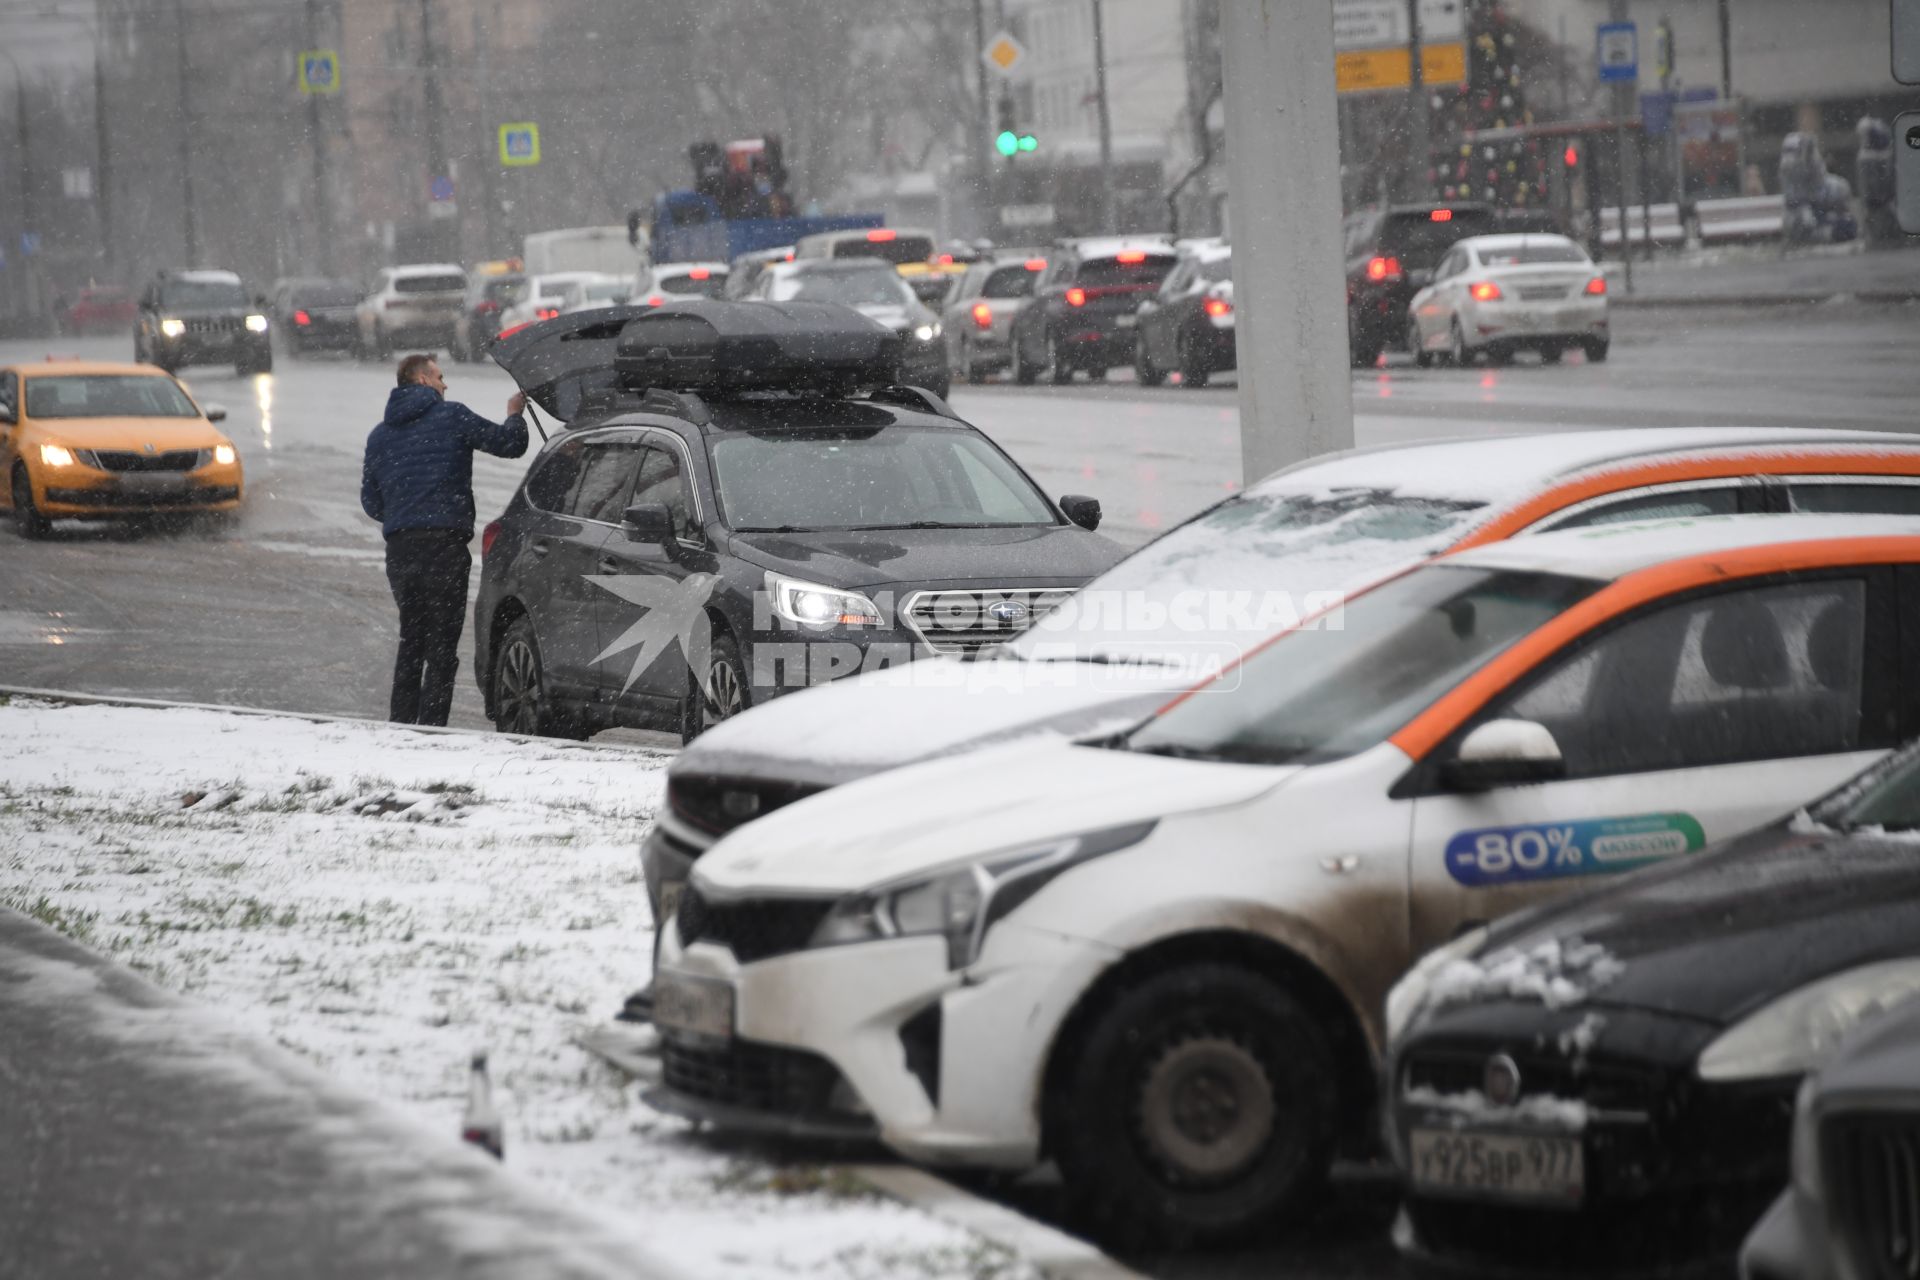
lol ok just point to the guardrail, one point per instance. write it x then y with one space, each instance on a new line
1739 218
1669 228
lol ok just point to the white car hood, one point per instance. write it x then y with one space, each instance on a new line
932 815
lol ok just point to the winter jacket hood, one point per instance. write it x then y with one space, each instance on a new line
409 404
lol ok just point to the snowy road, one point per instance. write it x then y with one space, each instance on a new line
291 611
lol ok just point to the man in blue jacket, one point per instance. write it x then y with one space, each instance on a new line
417 481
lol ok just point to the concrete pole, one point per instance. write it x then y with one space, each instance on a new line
189 228
317 139
1416 188
1109 217
1283 161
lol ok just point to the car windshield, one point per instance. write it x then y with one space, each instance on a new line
505 292
107 395
894 477
703 283
430 284
326 295
1888 799
1420 242
877 288
1009 282
188 295
1344 682
1529 252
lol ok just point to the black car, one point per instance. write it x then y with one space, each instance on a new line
316 315
1391 254
1082 314
1637 1117
1187 327
744 489
875 290
202 317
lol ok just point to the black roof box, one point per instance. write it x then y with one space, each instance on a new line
721 347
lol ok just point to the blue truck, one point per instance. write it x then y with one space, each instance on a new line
690 227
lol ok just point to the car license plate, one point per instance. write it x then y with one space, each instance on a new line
152 485
1499 1166
670 891
693 1006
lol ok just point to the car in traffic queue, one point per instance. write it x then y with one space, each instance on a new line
1245 568
418 305
487 298
93 440
1082 313
99 308
754 471
1188 326
932 282
1158 958
202 317
744 271
586 295
896 245
1390 255
978 320
876 291
1494 296
1607 1084
315 314
540 299
666 282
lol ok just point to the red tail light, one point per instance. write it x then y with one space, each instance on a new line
393 303
504 334
485 308
789 255
699 273
547 313
1486 291
487 535
1130 256
1217 307
1440 215
983 315
301 317
655 300
944 260
880 236
1076 297
1383 269
1036 264
1597 286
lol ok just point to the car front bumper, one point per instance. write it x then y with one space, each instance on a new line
215 347
82 490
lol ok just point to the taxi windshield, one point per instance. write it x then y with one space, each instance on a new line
96 395
1346 680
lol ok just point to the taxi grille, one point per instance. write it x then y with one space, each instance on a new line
756 1077
128 460
1873 1170
964 622
1600 1086
753 929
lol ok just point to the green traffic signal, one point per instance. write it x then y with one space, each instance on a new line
1007 142
1029 143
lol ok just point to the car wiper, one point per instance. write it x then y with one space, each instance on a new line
1177 751
915 524
772 528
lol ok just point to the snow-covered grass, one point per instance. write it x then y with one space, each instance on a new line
382 902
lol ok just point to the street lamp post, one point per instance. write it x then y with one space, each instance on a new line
23 140
190 232
103 163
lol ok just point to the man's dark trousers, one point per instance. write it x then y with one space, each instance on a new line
427 569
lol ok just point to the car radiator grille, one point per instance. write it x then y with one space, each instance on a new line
964 622
1873 1176
754 1076
753 929
1604 1088
128 460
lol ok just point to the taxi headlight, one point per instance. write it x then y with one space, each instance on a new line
962 902
1409 995
927 332
256 324
173 328
56 455
813 605
224 455
1790 1035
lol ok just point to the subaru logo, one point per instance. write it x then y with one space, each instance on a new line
1010 612
1500 1081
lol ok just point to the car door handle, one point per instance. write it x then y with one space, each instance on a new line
541 546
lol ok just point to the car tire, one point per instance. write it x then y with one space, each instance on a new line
969 369
1193 373
27 520
1596 349
1023 373
1365 354
1551 353
1422 357
1198 1107
725 694
1143 371
1460 354
1059 372
522 701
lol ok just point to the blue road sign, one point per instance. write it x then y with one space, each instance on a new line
319 71
520 144
1617 45
440 189
29 243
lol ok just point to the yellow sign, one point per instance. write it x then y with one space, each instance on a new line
519 144
1003 53
1371 70
319 71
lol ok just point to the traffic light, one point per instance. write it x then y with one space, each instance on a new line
1027 142
1571 156
1008 143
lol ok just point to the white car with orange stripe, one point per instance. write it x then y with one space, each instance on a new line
1160 958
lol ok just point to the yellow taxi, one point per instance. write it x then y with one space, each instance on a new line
89 439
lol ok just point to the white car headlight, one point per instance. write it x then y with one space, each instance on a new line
256 324
1410 993
173 328
56 455
224 454
961 902
927 332
813 605
1790 1035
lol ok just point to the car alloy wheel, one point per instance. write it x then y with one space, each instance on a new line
522 702
1206 1109
1461 354
27 520
721 696
1193 374
1057 368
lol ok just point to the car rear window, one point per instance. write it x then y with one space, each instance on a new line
1420 242
430 284
1527 254
326 295
507 291
1110 273
1010 282
897 249
705 283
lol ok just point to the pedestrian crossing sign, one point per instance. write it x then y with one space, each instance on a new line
519 144
319 71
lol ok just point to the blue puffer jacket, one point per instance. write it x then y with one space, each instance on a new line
418 472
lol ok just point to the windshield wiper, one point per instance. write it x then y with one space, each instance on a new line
915 524
772 528
1177 751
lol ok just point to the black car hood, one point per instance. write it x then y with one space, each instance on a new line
1051 555
1722 933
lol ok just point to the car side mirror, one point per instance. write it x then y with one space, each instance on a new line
647 522
216 413
1082 510
1504 753
6 413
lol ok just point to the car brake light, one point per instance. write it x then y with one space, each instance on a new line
1076 297
699 273
393 303
1597 286
789 257
1440 215
487 535
881 235
486 308
1217 307
547 313
504 334
1130 255
1036 264
983 315
301 317
1485 291
655 300
944 260
1383 269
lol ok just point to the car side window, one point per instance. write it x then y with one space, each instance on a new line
606 478
1758 673
663 481
1668 504
553 481
1857 499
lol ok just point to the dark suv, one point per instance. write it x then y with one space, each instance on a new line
744 491
202 317
1391 254
1082 314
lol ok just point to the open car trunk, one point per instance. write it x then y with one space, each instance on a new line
560 362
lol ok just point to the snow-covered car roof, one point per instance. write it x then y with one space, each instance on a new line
1108 246
1515 239
412 269
206 276
1607 552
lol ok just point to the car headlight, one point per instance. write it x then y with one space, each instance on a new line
962 902
56 455
1409 995
927 332
257 324
173 328
813 605
224 455
1790 1035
